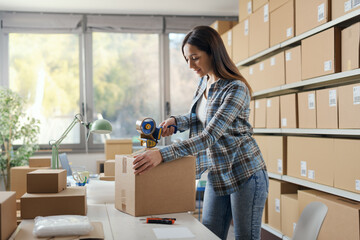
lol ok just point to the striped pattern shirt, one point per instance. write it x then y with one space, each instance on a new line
225 145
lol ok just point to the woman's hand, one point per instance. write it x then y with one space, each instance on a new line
168 131
147 160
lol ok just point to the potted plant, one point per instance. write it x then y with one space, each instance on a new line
15 126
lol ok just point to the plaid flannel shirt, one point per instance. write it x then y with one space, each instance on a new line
225 146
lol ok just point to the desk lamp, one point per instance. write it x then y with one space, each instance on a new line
100 126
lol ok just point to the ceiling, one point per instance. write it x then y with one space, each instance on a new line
152 7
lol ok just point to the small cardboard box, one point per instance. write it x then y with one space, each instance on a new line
276 189
40 162
109 168
289 213
222 26
117 146
260 113
106 178
282 23
258 3
46 181
7 214
320 54
293 65
227 38
327 108
273 112
245 9
276 154
310 14
167 188
349 106
71 201
288 111
259 35
350 41
341 7
240 49
307 109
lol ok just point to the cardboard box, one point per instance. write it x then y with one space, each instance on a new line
274 73
273 112
342 7
71 201
245 9
276 154
252 113
106 178
347 164
240 49
40 162
262 142
46 181
117 146
310 14
311 159
228 40
260 113
275 4
167 188
289 213
276 189
350 41
327 108
320 54
288 111
222 26
7 214
109 168
282 23
307 109
257 73
293 65
258 3
349 106
307 196
259 36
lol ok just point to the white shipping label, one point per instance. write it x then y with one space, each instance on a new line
268 103
277 205
249 7
251 71
347 6
257 104
355 3
272 61
321 12
327 65
279 166
311 174
246 27
357 185
332 98
289 32
303 168
288 56
229 38
283 122
311 101
266 13
261 66
356 95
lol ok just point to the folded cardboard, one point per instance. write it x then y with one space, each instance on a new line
350 41
167 188
307 109
288 111
245 9
117 146
40 162
7 214
258 3
109 168
276 154
349 106
106 178
289 213
260 113
259 35
71 201
320 54
310 14
342 7
282 23
293 65
327 108
222 26
46 181
227 38
240 44
273 112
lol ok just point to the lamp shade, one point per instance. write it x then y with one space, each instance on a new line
101 126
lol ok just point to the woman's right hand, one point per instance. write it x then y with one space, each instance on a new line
168 131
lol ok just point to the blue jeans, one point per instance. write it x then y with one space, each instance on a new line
245 207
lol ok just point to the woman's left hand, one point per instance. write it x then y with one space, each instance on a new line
147 160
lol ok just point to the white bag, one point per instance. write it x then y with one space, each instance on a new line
62 225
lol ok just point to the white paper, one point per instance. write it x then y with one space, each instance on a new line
266 13
311 101
277 205
251 71
311 174
173 233
257 104
229 38
332 98
347 6
249 10
327 65
272 61
283 122
289 32
279 165
246 27
356 95
357 185
321 12
288 56
303 168
268 103
261 66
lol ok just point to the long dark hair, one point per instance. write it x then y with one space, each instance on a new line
206 39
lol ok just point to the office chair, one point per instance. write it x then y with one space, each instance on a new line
310 221
65 163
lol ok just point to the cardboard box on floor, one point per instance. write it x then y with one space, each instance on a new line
71 201
307 109
350 41
282 23
240 42
117 146
273 112
109 168
260 113
327 108
245 9
7 214
40 162
342 7
46 181
293 65
227 38
167 188
259 35
276 154
222 26
289 213
288 111
349 106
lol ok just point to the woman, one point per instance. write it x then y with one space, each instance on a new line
220 137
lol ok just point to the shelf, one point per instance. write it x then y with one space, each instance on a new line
275 176
272 230
298 131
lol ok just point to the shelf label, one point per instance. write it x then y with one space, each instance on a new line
303 168
268 103
311 174
272 61
288 56
277 205
279 166
327 65
357 185
249 9
261 66
246 27
332 98
321 12
257 104
356 95
229 38
289 32
251 71
266 13
311 101
283 122
347 6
